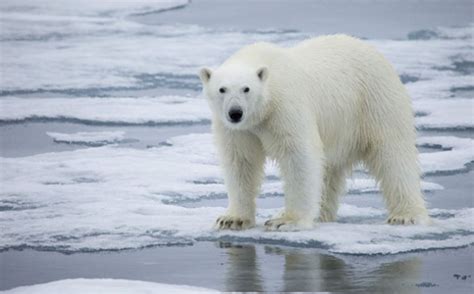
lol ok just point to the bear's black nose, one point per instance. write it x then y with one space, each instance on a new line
235 115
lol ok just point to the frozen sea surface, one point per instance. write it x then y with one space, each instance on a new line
109 198
98 286
107 111
58 200
109 51
88 138
100 110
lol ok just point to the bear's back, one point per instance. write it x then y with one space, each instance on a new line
257 54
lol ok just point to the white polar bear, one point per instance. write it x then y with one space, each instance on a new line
317 108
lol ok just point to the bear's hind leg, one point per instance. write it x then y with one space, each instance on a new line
333 187
395 167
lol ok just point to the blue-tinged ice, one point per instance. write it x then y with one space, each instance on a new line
116 286
109 198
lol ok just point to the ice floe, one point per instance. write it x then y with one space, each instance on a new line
452 114
365 233
121 53
110 198
99 286
460 154
53 38
130 111
434 114
442 33
88 138
90 8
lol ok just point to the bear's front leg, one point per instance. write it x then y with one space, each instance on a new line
242 159
301 169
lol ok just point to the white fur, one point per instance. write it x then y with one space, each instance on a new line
318 109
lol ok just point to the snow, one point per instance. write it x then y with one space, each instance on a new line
436 69
108 50
88 138
110 198
460 154
365 233
91 8
437 114
99 286
443 33
76 57
445 114
146 110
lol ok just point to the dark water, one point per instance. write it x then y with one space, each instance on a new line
30 138
247 267
362 18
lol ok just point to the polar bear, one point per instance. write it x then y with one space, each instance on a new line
317 109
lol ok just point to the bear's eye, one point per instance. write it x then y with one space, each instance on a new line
246 89
222 90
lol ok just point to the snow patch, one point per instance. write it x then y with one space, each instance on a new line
367 234
443 33
52 39
454 114
104 8
122 54
146 110
111 198
437 114
456 156
99 286
88 138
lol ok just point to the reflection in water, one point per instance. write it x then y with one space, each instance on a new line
310 270
302 272
243 272
392 276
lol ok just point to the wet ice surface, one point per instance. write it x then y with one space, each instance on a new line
110 52
103 111
106 286
439 114
109 198
89 138
251 267
29 138
155 182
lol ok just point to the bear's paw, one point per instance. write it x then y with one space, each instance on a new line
409 219
287 225
227 222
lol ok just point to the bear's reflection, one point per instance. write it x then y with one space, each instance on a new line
304 270
243 271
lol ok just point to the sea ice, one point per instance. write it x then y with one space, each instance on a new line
114 198
445 114
88 138
52 38
436 114
103 8
110 198
99 286
458 157
122 53
129 111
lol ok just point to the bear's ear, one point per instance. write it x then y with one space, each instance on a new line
205 74
262 73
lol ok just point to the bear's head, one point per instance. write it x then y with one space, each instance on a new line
236 94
